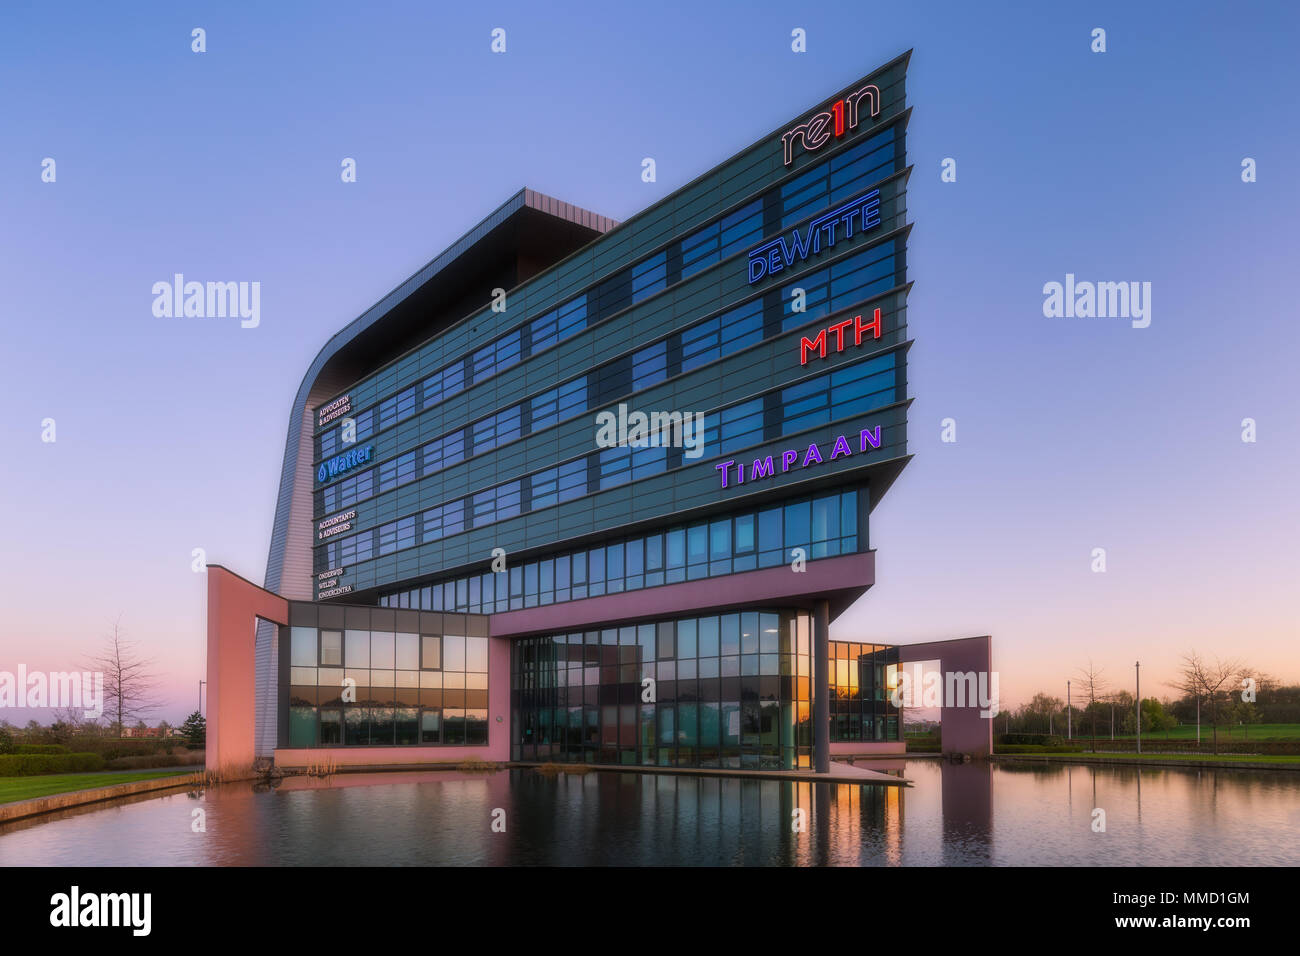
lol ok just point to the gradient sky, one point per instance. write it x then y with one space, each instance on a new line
1072 433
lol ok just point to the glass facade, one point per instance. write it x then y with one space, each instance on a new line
845 392
485 438
721 690
852 171
855 279
457 442
358 687
862 677
824 526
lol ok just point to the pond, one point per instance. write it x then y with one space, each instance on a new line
952 815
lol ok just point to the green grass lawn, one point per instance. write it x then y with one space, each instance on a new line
1229 758
1235 732
26 788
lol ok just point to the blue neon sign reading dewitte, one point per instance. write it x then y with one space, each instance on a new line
776 254
344 462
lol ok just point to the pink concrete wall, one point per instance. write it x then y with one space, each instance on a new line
840 748
234 605
964 730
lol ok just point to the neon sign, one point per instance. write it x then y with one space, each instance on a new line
817 130
818 344
766 467
345 462
776 254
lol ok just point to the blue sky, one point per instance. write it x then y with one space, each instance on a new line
1072 433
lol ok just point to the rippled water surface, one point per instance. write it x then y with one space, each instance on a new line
952 815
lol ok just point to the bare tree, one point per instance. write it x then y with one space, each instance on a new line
1094 686
128 681
68 722
1205 682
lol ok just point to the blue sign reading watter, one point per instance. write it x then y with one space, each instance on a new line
337 465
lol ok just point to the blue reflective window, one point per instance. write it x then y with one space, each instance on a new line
650 365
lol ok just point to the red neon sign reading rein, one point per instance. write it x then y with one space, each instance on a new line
816 131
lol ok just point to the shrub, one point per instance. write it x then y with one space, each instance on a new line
1039 740
154 761
1036 749
40 749
28 765
110 748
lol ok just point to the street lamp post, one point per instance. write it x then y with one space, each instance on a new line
1138 669
1069 717
201 683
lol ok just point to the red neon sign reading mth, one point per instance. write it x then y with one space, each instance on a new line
842 116
818 343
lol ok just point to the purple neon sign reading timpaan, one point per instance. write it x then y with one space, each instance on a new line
766 467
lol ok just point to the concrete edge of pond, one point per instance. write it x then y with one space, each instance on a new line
1099 759
21 809
38 806
845 773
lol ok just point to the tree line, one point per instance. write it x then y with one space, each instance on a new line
1220 692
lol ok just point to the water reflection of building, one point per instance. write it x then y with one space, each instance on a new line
968 811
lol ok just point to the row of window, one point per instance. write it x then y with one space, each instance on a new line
757 720
824 526
842 393
329 649
749 633
872 159
862 677
352 688
357 687
365 726
862 671
478 366
865 727
826 290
